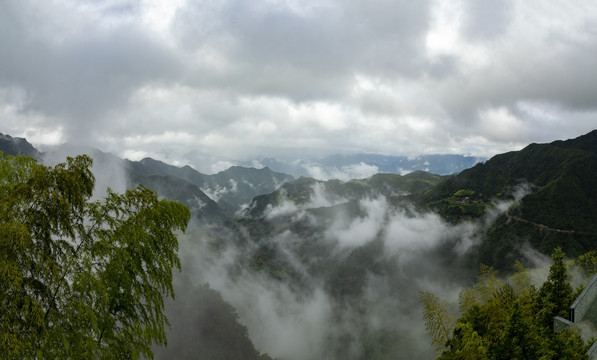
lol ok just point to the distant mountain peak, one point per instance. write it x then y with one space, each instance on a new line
17 146
362 165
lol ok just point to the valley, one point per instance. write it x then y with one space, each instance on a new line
311 269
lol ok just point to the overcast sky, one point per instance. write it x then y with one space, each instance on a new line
208 80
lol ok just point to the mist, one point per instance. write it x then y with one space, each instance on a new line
333 278
331 90
327 278
326 275
108 170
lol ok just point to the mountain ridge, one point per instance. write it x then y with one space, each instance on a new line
17 146
360 165
364 248
229 189
561 194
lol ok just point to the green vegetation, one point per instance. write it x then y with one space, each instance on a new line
588 262
301 191
439 322
556 208
464 204
464 193
80 278
506 320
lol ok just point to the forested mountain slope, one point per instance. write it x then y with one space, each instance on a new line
339 263
230 188
316 193
558 207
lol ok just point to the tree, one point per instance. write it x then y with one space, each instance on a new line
588 263
82 278
472 344
507 320
517 339
439 322
556 293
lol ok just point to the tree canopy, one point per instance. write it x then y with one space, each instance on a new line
507 319
82 278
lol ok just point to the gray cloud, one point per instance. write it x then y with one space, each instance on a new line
195 80
76 75
486 20
304 53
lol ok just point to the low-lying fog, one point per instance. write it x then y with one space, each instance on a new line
329 279
338 285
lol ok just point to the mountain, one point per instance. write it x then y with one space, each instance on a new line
550 190
230 189
202 206
237 186
211 198
445 164
17 146
365 165
312 193
558 205
149 167
554 182
332 269
369 252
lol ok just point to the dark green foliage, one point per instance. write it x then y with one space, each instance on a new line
464 204
511 320
586 142
555 296
79 278
502 244
565 344
559 209
588 263
517 340
413 183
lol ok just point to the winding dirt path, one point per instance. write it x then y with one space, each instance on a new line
544 227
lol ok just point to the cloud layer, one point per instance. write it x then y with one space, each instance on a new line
206 81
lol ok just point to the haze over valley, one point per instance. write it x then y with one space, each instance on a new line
309 269
356 172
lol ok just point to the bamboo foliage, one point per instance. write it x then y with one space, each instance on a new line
507 319
79 278
439 322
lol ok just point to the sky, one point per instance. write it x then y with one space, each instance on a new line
216 82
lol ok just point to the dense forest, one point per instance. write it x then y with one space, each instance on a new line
510 319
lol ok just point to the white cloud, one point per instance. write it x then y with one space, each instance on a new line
500 124
362 230
221 166
345 173
135 155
